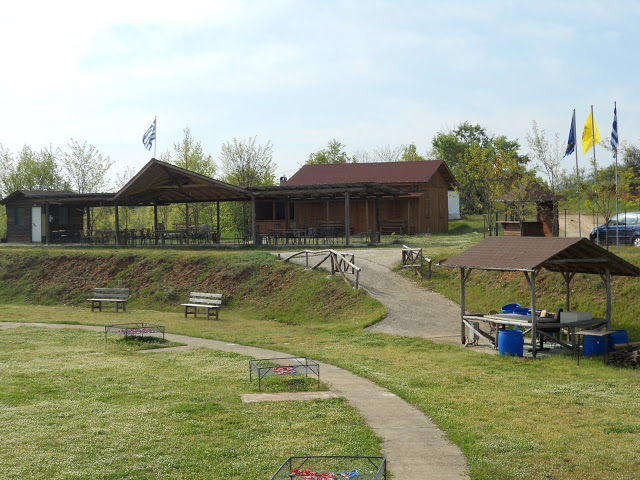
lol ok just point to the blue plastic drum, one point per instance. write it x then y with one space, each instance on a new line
510 307
510 342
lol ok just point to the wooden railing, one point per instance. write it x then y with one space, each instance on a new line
341 263
413 258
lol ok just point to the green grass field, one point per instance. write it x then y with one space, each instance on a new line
512 418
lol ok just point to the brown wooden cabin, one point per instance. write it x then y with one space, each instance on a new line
412 198
34 215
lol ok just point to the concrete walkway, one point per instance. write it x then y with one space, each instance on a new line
413 445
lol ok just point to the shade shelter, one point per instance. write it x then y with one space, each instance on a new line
530 255
161 183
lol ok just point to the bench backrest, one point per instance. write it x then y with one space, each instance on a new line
206 298
116 293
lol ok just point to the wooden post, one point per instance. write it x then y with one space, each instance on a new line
117 225
47 228
218 221
155 223
531 280
254 233
366 213
607 283
408 216
462 307
89 229
379 233
347 219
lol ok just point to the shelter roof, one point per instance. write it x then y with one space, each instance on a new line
322 191
161 183
384 172
62 197
572 255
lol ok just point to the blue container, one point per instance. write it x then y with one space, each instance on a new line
522 311
510 307
593 345
618 336
510 342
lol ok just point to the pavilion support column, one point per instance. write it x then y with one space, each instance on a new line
378 231
408 216
464 275
607 285
155 223
328 219
366 213
186 219
347 220
567 286
254 232
117 225
531 280
47 227
218 221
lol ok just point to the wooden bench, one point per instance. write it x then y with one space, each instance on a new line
206 301
394 226
118 296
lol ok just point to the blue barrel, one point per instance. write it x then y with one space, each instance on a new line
522 311
593 345
618 336
510 307
510 342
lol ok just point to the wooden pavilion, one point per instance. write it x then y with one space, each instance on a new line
529 255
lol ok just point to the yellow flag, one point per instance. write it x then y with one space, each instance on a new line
587 137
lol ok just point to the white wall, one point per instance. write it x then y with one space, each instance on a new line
454 205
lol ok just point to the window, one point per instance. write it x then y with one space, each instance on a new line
19 216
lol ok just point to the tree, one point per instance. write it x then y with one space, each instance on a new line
188 154
549 156
410 154
387 154
247 165
454 148
334 153
86 168
30 170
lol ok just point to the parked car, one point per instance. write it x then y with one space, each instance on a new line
627 226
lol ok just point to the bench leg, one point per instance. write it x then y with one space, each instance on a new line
217 310
208 309
117 306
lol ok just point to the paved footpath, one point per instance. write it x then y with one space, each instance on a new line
413 445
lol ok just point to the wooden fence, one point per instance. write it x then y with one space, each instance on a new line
413 258
341 263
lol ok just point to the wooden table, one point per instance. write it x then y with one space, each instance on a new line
524 322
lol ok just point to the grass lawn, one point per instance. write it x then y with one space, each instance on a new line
75 406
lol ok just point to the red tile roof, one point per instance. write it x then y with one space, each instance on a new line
383 172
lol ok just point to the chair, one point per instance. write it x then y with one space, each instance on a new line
204 232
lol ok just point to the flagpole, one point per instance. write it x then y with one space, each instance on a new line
577 175
155 144
615 156
595 168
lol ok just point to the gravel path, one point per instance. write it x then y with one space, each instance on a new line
412 310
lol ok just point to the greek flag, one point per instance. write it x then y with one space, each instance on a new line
614 132
150 136
571 143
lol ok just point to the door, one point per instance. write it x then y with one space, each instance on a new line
36 224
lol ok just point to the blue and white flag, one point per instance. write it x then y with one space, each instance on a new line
614 132
571 143
150 136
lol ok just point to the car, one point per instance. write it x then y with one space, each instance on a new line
627 226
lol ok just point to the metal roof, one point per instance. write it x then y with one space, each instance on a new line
382 172
45 196
323 191
577 255
161 183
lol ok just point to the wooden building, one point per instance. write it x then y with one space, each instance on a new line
36 216
410 198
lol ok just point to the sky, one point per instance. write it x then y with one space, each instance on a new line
299 73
